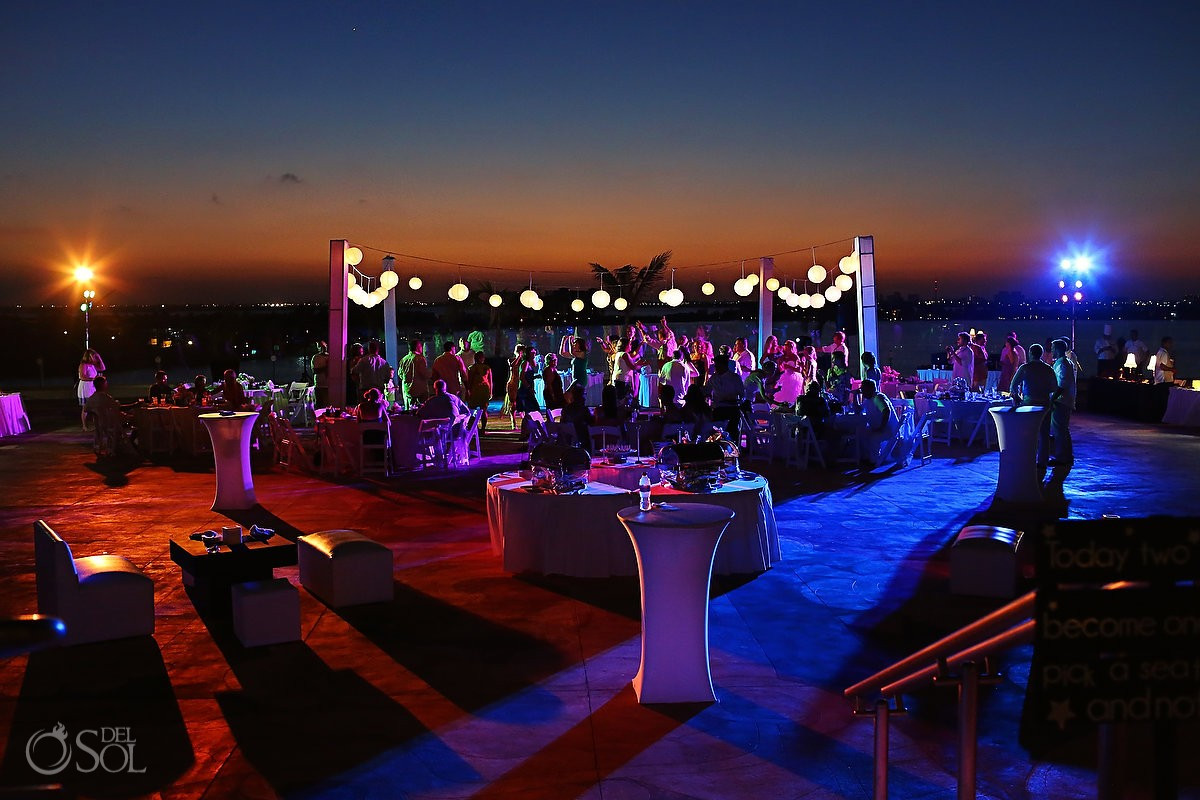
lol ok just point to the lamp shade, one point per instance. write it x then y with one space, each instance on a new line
415 283
1130 361
707 287
577 305
620 304
495 301
601 298
1153 363
388 280
353 256
817 273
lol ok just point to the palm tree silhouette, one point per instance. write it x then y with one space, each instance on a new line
635 283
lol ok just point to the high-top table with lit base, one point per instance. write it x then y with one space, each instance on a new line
675 547
230 434
1017 432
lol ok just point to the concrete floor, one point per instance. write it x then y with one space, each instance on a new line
477 683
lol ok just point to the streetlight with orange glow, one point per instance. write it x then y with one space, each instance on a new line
84 275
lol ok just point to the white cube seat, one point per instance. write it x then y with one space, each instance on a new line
345 568
265 612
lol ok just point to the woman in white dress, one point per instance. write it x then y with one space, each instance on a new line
91 365
791 381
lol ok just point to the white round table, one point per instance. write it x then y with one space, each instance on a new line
230 434
1017 432
675 548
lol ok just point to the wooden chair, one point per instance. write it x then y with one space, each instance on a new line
112 438
292 450
375 450
808 445
298 405
924 436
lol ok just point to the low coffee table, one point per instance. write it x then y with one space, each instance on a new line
210 576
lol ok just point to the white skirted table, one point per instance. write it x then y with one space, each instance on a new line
579 534
1017 431
230 434
13 419
1183 407
675 546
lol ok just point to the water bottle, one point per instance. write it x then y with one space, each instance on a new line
644 492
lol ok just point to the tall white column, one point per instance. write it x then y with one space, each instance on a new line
389 317
766 303
337 322
868 324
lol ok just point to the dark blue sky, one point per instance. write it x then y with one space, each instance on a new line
177 144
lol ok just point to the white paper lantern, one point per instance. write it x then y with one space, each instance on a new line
753 278
388 280
601 298
793 300
459 292
662 296
620 304
818 300
537 304
353 256
577 305
495 301
742 287
783 292
772 284
707 287
803 301
844 282
528 298
356 293
380 294
849 264
833 294
817 273
674 297
414 283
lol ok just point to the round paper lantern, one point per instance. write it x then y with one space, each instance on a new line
537 304
849 264
844 282
353 256
816 273
351 282
388 280
528 298
783 292
662 296
707 287
742 287
414 283
833 294
577 305
601 298
793 300
772 284
674 297
356 293
753 278
459 292
803 301
495 301
380 293
620 304
818 300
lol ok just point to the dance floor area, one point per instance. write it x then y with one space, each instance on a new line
475 683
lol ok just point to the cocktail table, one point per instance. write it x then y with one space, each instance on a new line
210 576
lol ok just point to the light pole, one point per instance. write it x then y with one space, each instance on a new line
1071 287
84 275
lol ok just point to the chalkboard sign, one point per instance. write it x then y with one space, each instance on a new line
1117 626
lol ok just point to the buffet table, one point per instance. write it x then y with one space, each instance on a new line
579 534
13 419
1183 407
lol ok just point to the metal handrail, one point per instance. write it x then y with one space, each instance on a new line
1013 637
964 639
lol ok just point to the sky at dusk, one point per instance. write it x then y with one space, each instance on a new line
208 152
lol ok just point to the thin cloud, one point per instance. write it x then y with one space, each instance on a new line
289 177
216 200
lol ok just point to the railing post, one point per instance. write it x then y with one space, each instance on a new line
968 725
882 714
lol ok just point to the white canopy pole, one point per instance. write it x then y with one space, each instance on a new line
868 324
766 307
389 317
337 322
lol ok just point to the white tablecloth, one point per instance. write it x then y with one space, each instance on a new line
403 429
969 418
944 375
1183 407
580 535
13 419
648 390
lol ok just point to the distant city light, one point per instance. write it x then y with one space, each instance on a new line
1078 296
1065 298
1078 284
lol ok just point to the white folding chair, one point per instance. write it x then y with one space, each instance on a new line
433 441
808 446
471 435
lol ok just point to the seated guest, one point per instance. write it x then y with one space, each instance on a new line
372 406
611 412
552 391
576 414
837 379
697 410
728 392
870 370
233 396
759 386
815 405
880 421
101 402
192 394
442 405
160 391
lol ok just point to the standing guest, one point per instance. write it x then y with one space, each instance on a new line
771 349
160 392
677 373
1064 404
370 409
1011 357
838 346
576 414
1106 355
837 379
623 369
354 354
414 375
666 342
1164 362
320 371
450 368
743 358
980 369
552 385
527 375
697 409
90 367
727 392
611 412
576 349
442 405
1036 384
1135 345
880 420
479 387
515 365
791 374
870 369
668 403
962 359
808 367
698 352
372 371
233 396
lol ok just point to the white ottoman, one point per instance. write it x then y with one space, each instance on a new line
266 612
984 561
345 568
